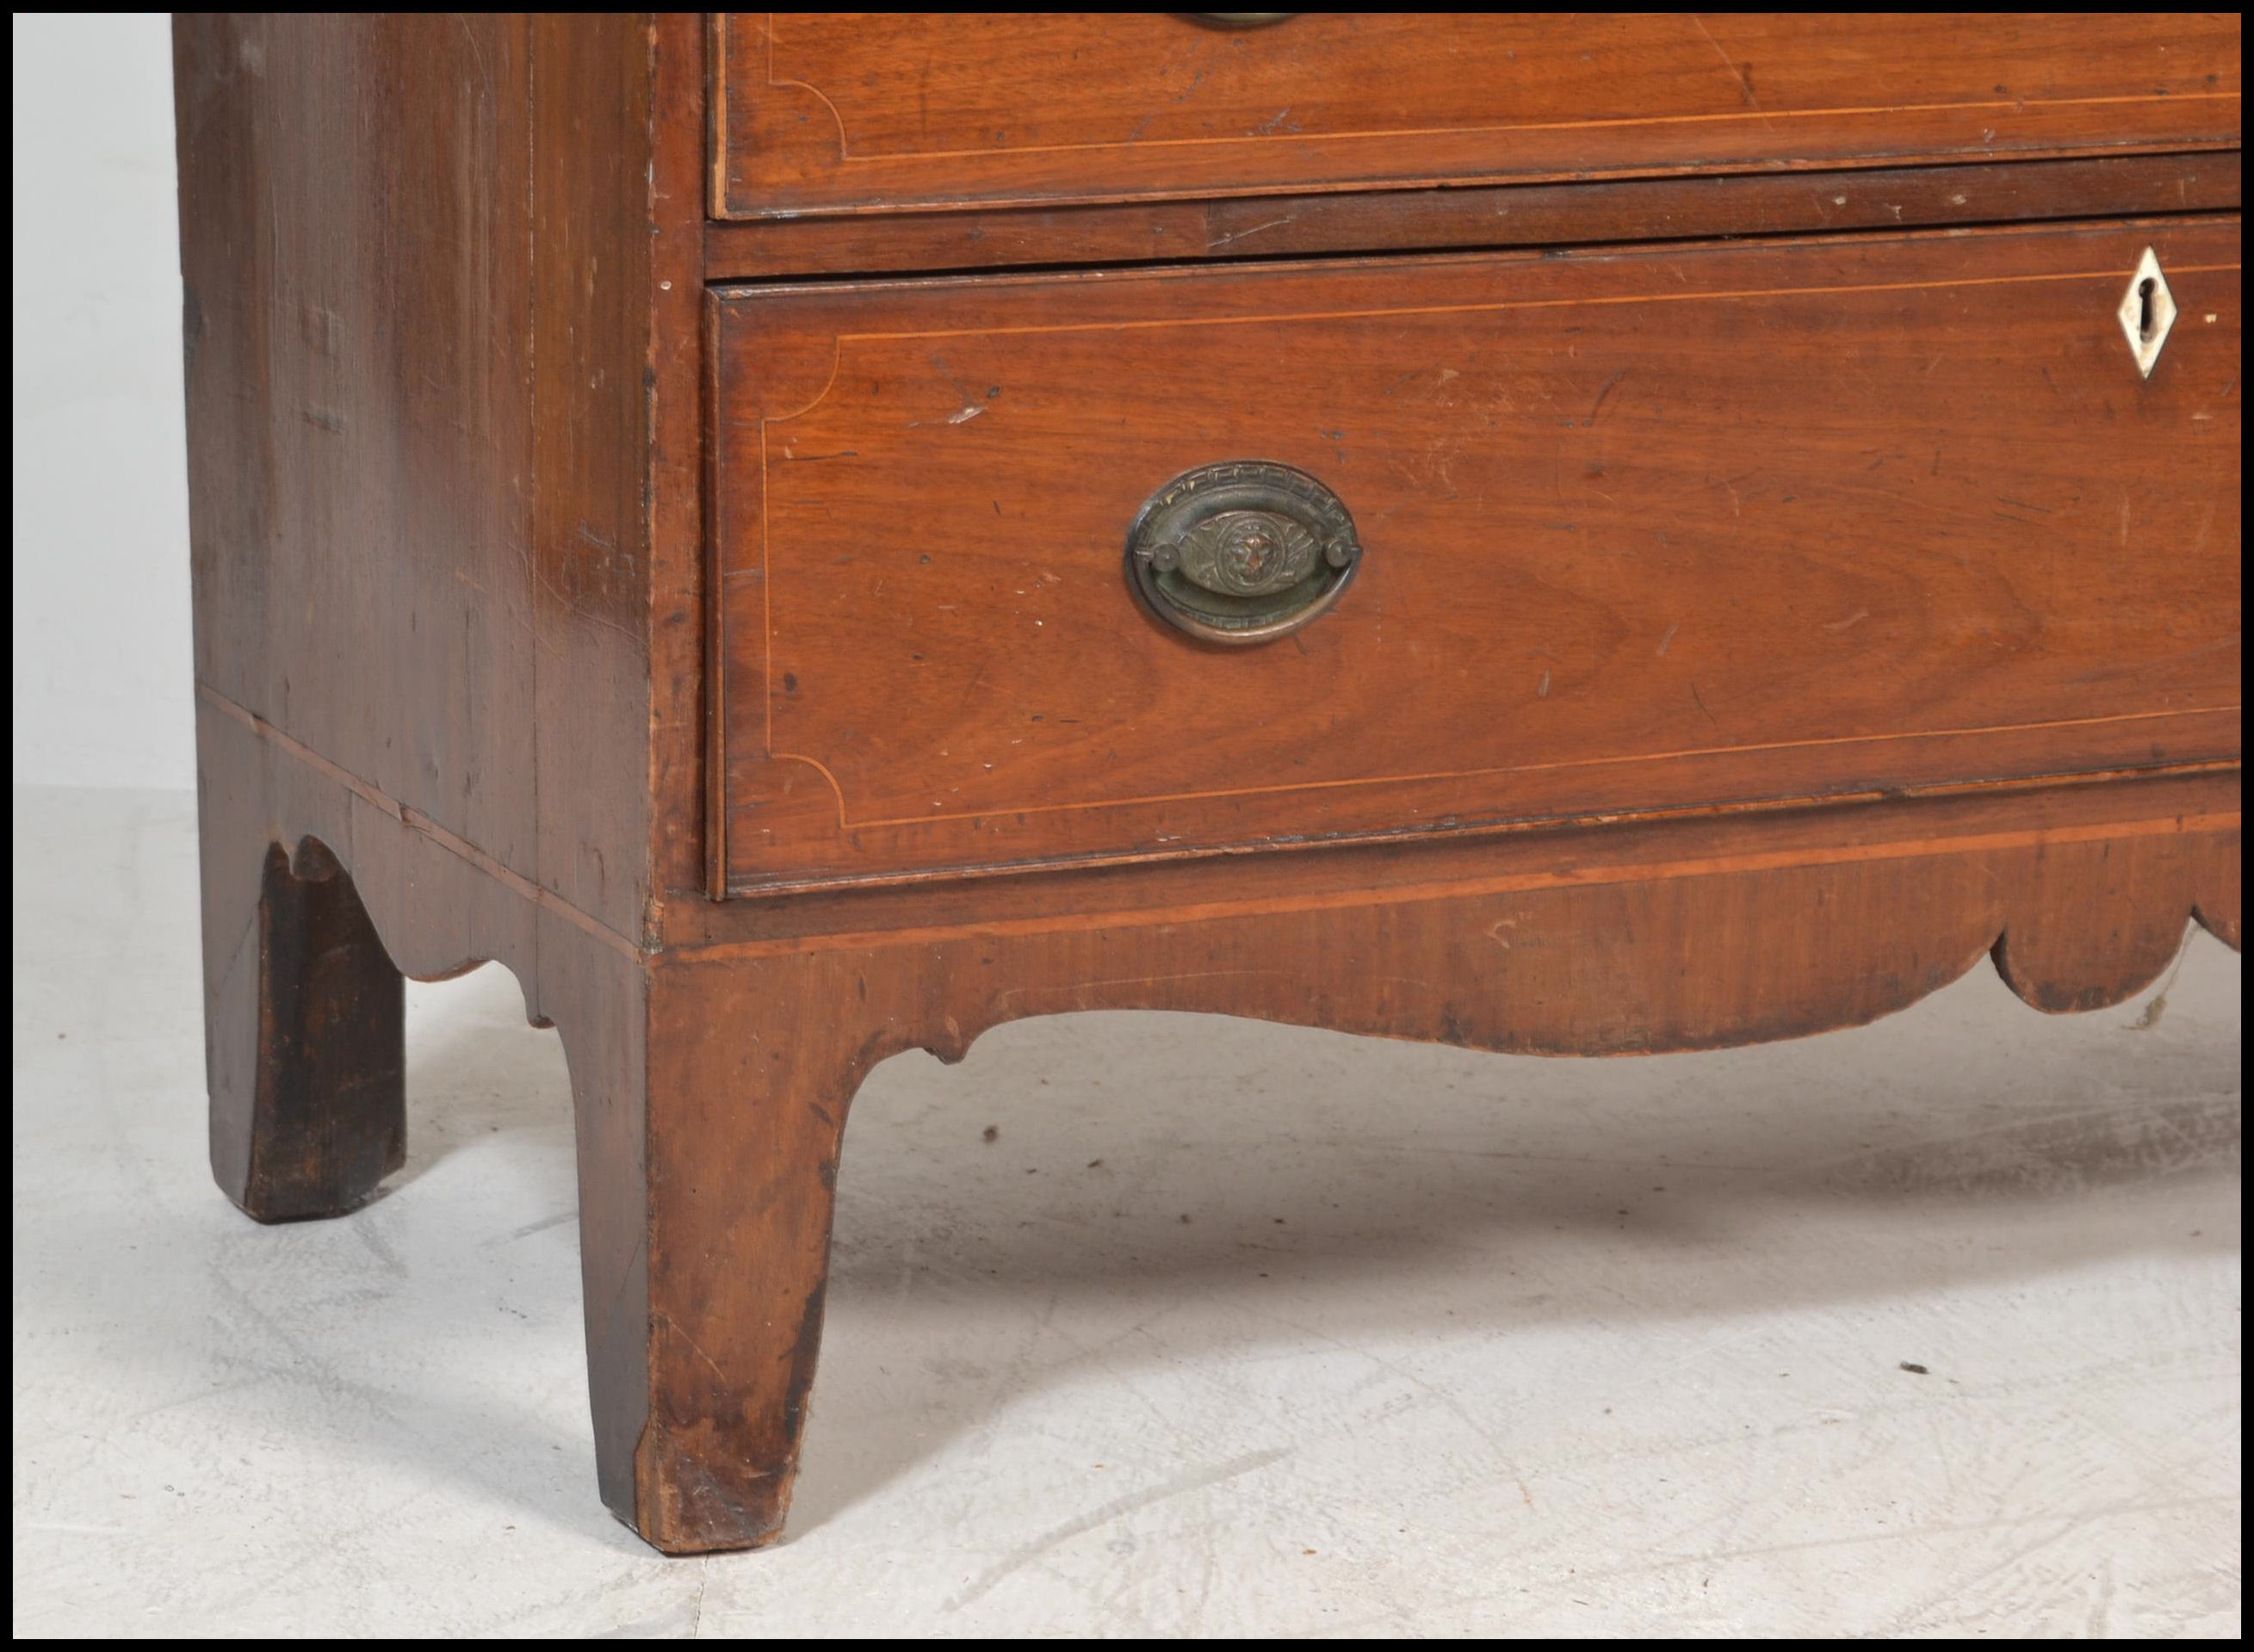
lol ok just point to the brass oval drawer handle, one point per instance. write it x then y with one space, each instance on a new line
1242 552
1242 19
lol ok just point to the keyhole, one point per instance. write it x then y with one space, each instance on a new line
2146 312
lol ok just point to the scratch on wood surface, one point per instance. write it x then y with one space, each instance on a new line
1605 394
674 1325
1069 987
1743 75
573 606
1216 243
477 56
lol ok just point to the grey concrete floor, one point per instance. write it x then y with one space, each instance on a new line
1232 1329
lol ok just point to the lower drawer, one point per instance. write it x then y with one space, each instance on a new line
1622 532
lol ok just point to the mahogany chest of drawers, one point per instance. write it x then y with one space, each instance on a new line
808 536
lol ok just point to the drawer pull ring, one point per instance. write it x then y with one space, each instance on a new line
1243 552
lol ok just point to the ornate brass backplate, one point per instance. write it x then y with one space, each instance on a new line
1242 552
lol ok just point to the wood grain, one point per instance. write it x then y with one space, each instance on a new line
711 1082
770 1044
421 281
1756 636
820 113
674 475
589 250
1508 215
306 1050
438 907
1647 529
415 256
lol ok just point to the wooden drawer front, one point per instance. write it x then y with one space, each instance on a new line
837 112
1644 530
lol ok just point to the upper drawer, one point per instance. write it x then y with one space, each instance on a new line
820 112
1675 527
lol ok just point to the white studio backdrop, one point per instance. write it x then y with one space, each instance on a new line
104 693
